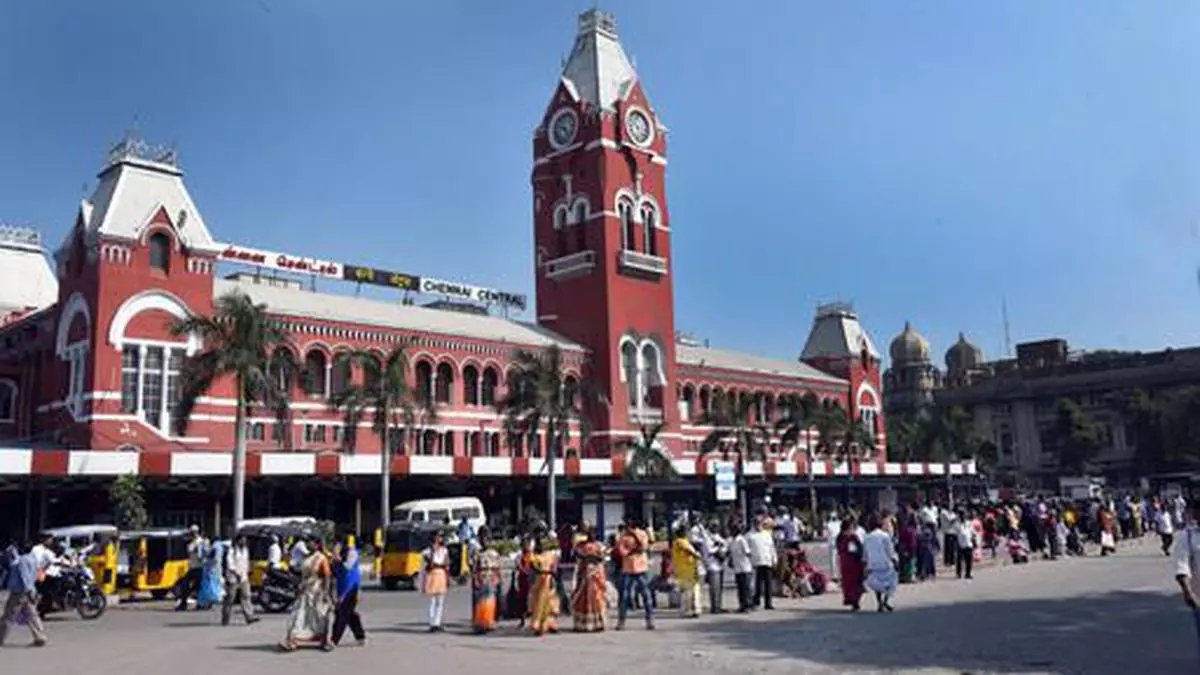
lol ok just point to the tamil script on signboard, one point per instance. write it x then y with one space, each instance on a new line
282 261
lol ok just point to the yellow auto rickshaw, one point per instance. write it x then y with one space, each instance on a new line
153 561
260 534
403 545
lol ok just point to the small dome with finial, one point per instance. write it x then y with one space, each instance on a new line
963 356
909 347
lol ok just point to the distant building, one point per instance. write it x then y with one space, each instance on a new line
1013 401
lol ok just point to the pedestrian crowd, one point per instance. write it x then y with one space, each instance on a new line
870 551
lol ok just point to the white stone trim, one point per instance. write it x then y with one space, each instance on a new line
149 300
76 304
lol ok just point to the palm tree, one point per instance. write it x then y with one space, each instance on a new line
385 392
799 416
904 436
830 425
540 394
732 433
241 342
647 461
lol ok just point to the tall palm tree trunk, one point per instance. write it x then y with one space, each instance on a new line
551 483
239 458
385 478
743 503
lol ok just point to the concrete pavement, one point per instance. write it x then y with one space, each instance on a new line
1091 615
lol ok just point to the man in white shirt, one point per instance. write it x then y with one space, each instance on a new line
298 554
274 553
743 567
929 515
966 539
197 550
1165 529
947 520
1187 563
237 581
879 559
762 556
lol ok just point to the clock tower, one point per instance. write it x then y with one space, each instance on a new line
603 234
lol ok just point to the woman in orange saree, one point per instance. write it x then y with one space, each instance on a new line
591 585
543 597
485 584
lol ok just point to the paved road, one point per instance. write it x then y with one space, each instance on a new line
1092 615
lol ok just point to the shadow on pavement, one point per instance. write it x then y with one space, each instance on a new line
1089 635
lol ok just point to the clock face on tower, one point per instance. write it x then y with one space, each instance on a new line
562 127
638 126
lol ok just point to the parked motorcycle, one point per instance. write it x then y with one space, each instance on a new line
279 590
72 589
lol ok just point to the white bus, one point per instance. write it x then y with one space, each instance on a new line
439 511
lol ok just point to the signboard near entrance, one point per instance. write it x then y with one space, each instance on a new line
726 482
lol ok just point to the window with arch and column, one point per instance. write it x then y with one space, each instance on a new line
313 381
340 374
471 385
560 231
581 217
444 383
642 371
650 228
8 401
160 252
424 375
487 389
628 229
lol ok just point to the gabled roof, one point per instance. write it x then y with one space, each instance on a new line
136 183
307 304
598 72
764 365
836 333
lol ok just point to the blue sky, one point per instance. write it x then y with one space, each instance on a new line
925 160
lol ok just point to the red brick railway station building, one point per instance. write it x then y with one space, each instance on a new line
89 371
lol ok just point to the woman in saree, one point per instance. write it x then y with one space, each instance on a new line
525 578
312 615
543 596
591 585
850 563
212 585
485 583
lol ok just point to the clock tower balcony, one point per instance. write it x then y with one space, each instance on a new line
575 264
642 262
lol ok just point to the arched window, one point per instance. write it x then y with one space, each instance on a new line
372 372
447 448
487 392
282 365
628 233
494 445
581 212
629 368
339 376
160 252
8 401
652 383
560 231
314 373
471 385
429 443
571 389
705 401
650 224
687 400
445 382
425 382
